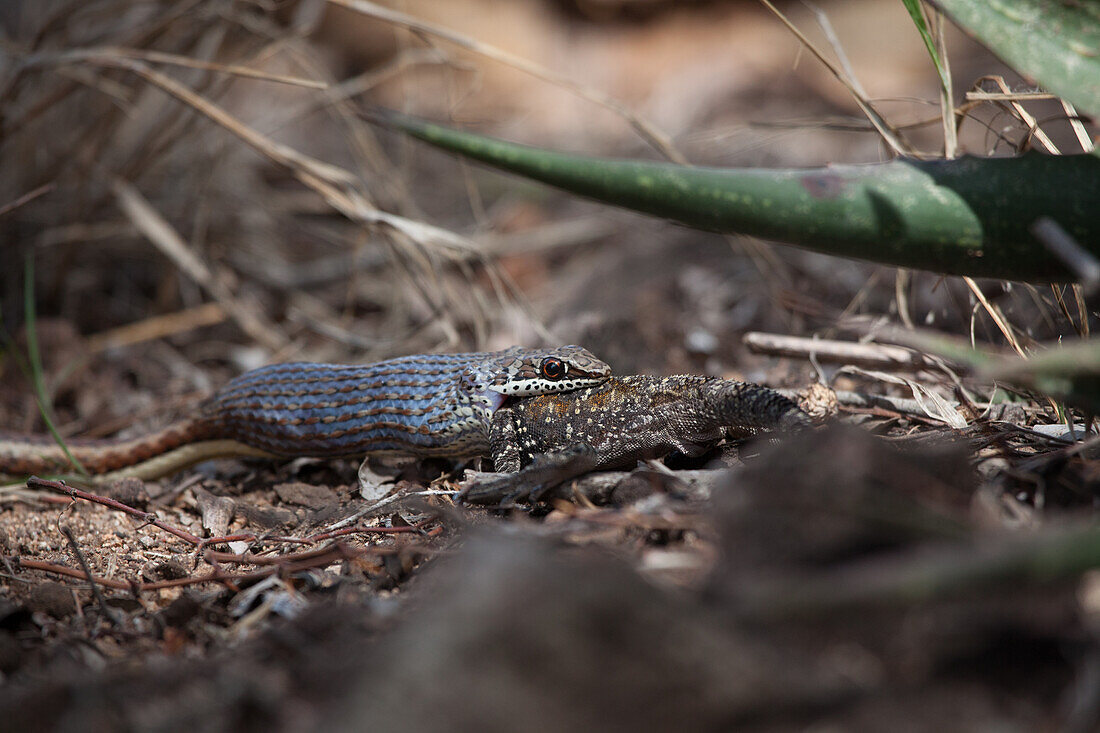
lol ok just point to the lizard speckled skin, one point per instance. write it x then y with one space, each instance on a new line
424 405
627 419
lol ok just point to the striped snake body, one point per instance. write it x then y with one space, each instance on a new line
423 405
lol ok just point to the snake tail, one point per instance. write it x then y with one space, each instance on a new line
147 456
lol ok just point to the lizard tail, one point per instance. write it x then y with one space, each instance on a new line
148 456
750 408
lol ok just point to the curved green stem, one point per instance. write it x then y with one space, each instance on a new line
968 216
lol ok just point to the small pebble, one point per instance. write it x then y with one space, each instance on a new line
307 495
699 341
55 599
130 491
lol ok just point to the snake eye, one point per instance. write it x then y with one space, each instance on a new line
553 368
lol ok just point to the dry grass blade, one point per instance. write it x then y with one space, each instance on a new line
233 69
888 133
356 85
335 184
980 96
158 231
1027 118
156 327
930 404
826 26
1083 138
357 208
1080 261
995 314
159 57
26 198
339 188
649 132
282 154
1082 310
901 296
373 165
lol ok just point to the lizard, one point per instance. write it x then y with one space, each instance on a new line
421 406
553 437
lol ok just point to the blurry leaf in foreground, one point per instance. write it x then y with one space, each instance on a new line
1068 372
1065 372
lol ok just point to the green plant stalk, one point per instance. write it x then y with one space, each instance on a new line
968 216
913 6
938 54
36 371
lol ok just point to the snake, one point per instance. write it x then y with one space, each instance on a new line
424 405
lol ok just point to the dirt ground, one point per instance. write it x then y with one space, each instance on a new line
914 564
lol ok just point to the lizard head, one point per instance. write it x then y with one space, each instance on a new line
522 372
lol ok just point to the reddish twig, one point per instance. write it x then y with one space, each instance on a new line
148 517
49 567
287 565
222 575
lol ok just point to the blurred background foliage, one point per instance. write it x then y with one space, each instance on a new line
195 186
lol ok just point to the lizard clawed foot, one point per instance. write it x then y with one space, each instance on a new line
532 482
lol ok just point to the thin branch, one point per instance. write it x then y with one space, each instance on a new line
61 487
107 611
26 198
881 356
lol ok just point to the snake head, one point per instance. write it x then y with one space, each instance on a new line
520 372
